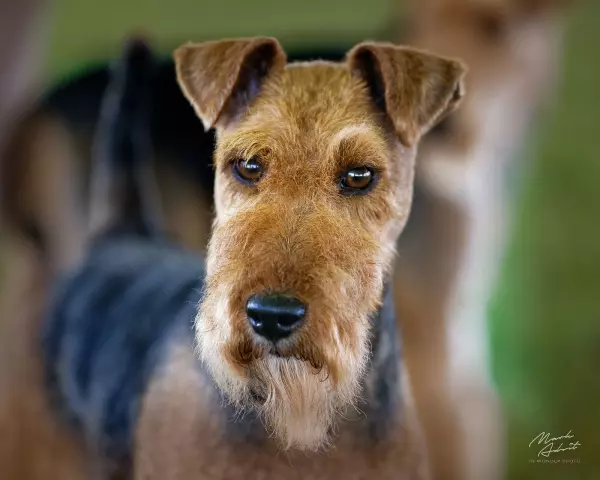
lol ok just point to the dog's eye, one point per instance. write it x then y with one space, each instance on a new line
357 181
248 171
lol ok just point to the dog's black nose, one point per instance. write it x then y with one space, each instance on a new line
275 316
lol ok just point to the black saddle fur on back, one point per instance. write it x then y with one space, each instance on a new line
106 328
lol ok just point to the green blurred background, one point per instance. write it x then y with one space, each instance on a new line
545 317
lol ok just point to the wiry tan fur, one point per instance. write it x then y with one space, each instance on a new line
293 232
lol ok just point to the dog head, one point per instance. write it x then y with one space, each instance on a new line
512 48
314 168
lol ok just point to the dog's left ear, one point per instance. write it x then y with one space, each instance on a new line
415 88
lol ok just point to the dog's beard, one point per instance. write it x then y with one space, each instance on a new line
298 403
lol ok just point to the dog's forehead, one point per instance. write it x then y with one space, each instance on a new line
316 94
312 105
324 88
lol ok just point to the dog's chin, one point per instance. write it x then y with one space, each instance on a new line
298 404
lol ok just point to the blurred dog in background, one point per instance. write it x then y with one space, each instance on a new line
452 249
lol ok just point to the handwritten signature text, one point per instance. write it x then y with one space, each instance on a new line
552 445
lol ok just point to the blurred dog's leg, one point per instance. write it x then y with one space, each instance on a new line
33 445
425 273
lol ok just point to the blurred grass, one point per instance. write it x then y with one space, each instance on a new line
545 317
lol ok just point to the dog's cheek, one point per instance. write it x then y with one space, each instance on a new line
346 364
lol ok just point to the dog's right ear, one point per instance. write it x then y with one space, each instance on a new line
221 78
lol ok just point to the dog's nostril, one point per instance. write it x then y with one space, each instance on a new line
275 316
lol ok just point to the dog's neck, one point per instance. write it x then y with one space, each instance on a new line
381 385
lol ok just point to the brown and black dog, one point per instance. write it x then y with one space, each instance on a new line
295 331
